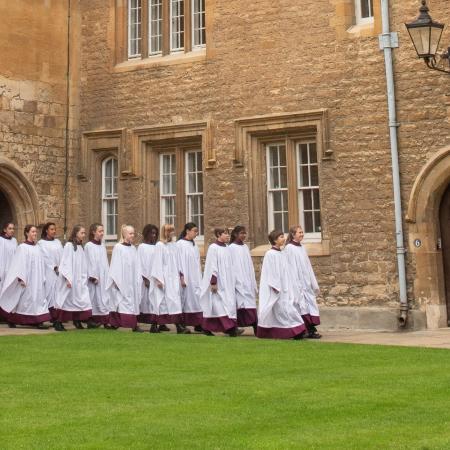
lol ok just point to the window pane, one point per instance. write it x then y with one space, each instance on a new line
200 182
314 176
308 222
312 153
273 156
191 183
108 168
198 21
307 200
316 198
155 27
304 176
317 227
177 24
134 28
282 153
366 8
304 154
277 201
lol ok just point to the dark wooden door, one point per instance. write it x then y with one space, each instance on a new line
444 217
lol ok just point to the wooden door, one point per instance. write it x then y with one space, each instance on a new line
444 217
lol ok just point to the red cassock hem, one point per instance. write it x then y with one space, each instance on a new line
311 320
246 317
166 319
102 320
218 324
24 319
53 313
146 318
193 319
117 319
66 316
279 333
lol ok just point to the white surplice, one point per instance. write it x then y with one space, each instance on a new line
189 265
27 265
7 250
146 256
123 280
165 270
51 251
246 288
276 307
98 268
309 281
219 264
73 269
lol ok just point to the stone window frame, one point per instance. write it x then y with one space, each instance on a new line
147 142
96 147
359 19
167 56
252 136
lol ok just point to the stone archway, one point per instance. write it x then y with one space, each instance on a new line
424 237
19 194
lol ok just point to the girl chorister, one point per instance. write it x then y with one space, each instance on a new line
190 277
51 250
72 294
278 317
218 287
8 245
146 256
165 276
124 282
23 299
303 285
246 289
97 269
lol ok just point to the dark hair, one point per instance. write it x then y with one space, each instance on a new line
93 229
274 235
147 234
27 229
188 227
292 232
73 236
235 233
218 231
5 226
45 229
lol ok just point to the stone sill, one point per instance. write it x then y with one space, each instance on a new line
313 248
168 60
362 30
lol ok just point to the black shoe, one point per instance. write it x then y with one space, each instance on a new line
91 324
78 325
208 333
235 332
107 326
313 335
255 328
182 330
300 336
42 326
11 325
154 329
198 329
137 330
163 328
58 326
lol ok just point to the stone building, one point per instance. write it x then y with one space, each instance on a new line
260 113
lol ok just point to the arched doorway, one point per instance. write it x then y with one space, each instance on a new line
6 212
444 243
18 198
427 222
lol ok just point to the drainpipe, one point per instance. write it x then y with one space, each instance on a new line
388 41
66 143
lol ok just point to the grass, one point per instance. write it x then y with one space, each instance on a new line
100 389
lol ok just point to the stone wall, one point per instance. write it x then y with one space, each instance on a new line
277 57
33 68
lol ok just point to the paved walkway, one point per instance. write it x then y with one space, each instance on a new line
427 338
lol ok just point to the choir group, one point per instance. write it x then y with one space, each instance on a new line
158 283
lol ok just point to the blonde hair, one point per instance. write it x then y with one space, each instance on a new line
122 232
166 229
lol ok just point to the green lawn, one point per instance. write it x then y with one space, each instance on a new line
105 389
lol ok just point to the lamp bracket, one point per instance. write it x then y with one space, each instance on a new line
388 40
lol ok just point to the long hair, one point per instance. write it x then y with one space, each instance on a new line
122 232
166 230
5 225
45 229
292 232
187 227
147 233
93 229
73 236
235 233
27 229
